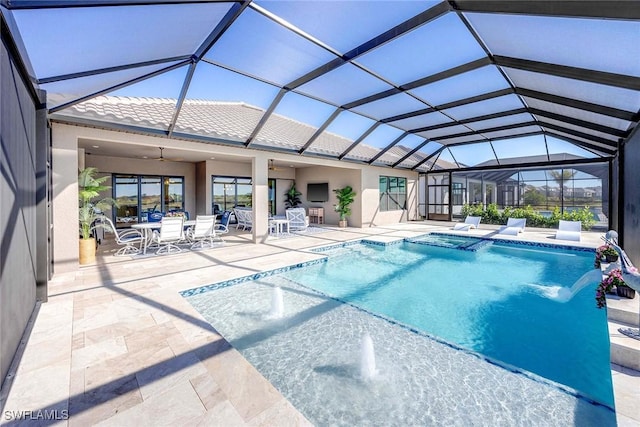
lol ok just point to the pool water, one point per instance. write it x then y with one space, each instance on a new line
423 306
493 301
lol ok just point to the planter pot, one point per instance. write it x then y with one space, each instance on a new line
87 251
625 292
611 258
342 223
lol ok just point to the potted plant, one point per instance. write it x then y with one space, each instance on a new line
614 278
345 197
607 252
90 209
292 197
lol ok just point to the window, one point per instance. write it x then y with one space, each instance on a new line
138 195
393 193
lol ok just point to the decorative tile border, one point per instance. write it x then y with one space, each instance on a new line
473 244
515 242
257 276
336 246
544 245
379 243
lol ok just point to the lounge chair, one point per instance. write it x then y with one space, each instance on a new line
569 230
514 226
469 222
203 232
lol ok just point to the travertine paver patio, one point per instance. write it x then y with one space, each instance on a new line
117 345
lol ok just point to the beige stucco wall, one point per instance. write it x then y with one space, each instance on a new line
64 168
337 178
371 215
250 163
365 180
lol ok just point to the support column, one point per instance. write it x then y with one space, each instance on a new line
260 193
64 165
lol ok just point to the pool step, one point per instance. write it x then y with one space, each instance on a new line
625 351
623 310
623 313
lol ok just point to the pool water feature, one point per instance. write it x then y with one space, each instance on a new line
413 299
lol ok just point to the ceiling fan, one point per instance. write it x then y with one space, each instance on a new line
162 158
272 167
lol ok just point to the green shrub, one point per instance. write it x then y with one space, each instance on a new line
534 219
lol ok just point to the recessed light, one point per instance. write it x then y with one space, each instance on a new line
144 157
212 158
95 146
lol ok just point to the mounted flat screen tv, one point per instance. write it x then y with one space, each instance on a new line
318 192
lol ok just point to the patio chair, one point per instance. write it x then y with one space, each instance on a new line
569 230
223 226
127 238
297 219
469 222
244 218
171 232
514 226
203 232
155 217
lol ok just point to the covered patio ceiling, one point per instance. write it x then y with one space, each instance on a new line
418 85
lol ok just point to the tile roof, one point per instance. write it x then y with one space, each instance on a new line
233 121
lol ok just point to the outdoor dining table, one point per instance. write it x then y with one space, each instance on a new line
146 228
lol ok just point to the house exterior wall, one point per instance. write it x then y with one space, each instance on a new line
337 178
67 158
371 214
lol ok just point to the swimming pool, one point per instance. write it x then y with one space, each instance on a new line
493 301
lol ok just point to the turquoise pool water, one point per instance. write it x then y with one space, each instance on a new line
423 306
494 301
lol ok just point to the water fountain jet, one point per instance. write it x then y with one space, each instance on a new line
367 358
277 304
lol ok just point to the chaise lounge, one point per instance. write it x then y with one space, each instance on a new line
514 226
569 230
469 223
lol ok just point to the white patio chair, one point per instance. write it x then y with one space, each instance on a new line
244 218
569 230
297 219
469 222
170 234
514 226
127 238
203 232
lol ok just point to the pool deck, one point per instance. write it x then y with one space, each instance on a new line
117 345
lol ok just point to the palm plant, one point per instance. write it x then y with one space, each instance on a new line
346 197
292 197
89 188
